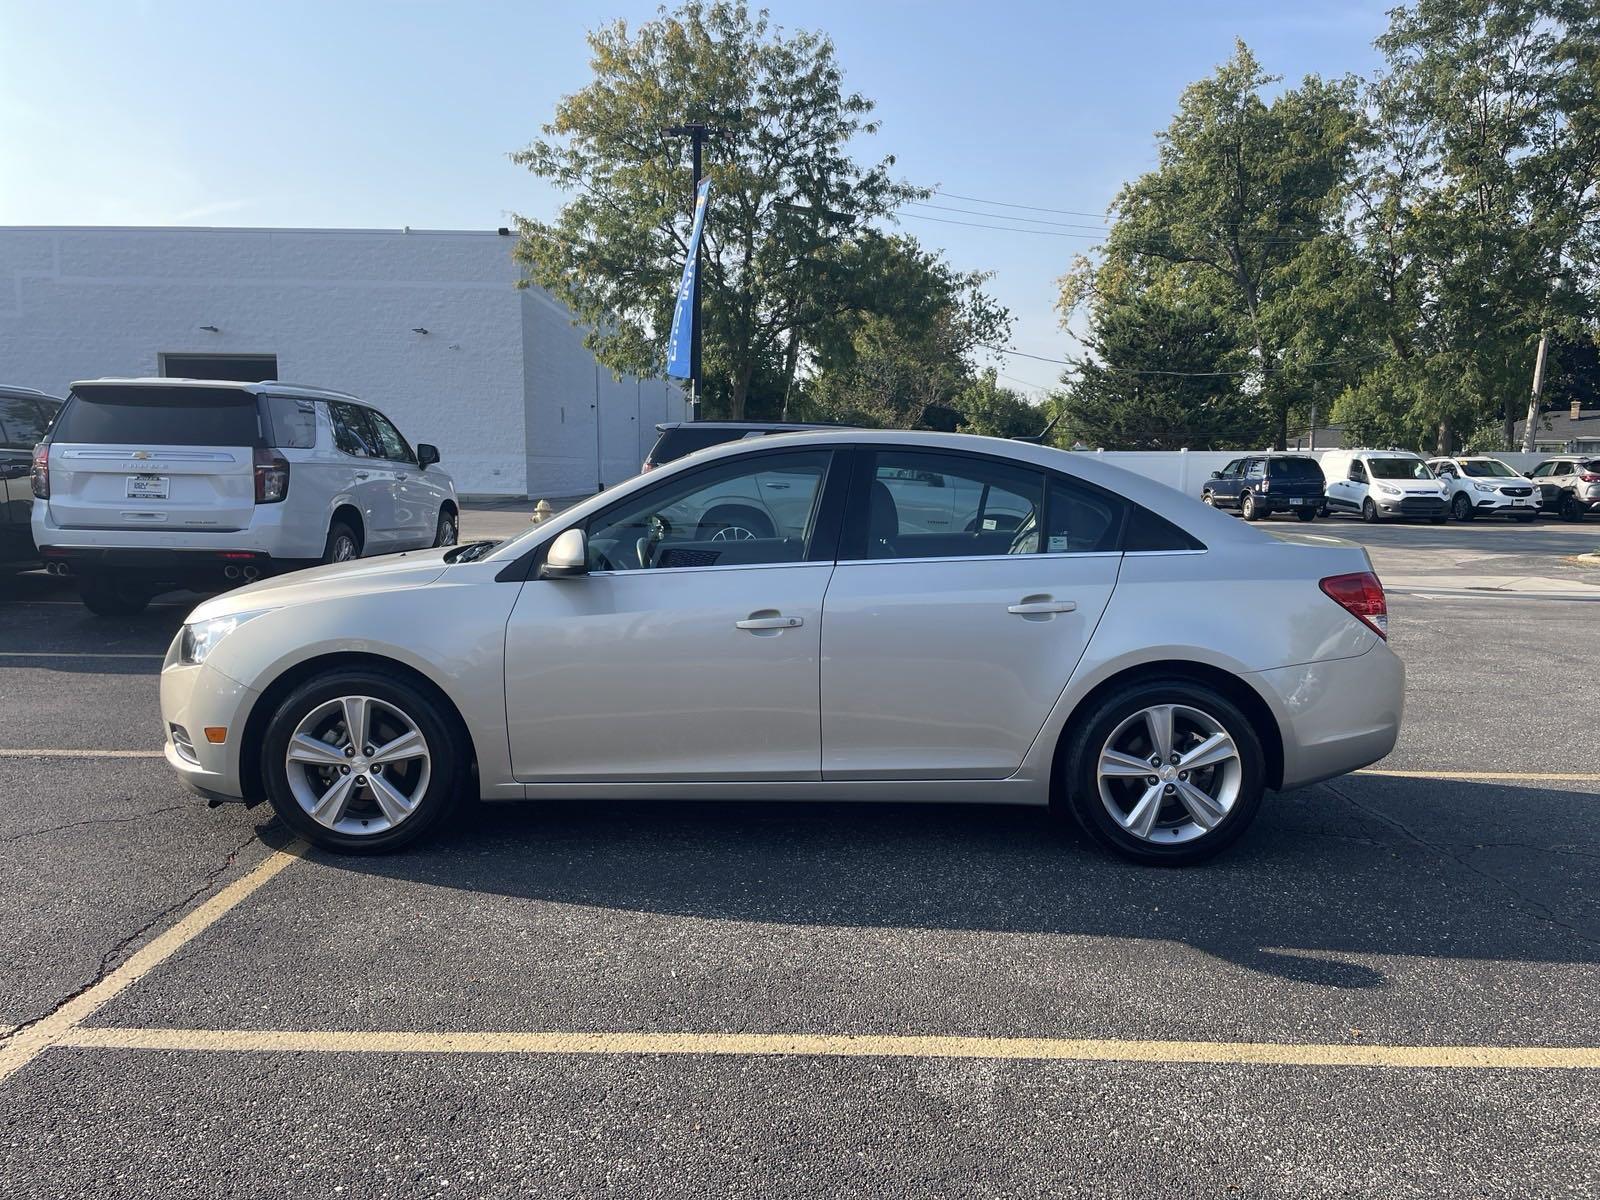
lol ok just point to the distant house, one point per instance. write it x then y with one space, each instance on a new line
1576 431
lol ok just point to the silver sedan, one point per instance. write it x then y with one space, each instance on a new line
844 615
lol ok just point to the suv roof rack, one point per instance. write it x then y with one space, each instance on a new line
311 387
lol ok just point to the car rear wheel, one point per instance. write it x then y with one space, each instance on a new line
1306 514
343 544
1570 510
108 596
1461 507
361 761
1248 504
1167 771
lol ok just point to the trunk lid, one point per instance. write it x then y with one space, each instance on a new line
155 456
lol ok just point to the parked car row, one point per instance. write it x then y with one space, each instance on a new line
1378 485
137 486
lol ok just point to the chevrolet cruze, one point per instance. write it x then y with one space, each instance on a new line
897 616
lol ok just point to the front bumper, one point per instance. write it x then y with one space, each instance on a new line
1411 506
194 699
1337 715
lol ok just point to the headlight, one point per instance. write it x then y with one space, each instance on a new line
1387 490
200 638
1486 488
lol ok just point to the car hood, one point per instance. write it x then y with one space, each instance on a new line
391 572
1411 487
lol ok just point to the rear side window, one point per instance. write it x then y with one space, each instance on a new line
352 433
125 415
22 423
1294 468
675 443
1080 520
293 421
1147 532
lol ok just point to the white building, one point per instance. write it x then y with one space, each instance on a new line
427 324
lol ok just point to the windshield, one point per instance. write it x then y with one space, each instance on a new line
1398 468
1487 468
137 415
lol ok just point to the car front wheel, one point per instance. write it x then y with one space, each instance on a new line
1461 508
1369 512
361 761
1167 771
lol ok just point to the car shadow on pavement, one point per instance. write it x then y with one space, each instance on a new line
1368 867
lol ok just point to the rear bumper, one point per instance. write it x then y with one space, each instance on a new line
1290 503
224 568
1338 715
275 532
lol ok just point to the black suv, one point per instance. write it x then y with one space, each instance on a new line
685 437
1262 484
25 417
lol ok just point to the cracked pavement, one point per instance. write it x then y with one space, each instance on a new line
1381 910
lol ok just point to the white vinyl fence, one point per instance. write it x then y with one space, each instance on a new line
1187 470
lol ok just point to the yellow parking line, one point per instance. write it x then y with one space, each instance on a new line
1500 776
835 1046
54 752
54 1030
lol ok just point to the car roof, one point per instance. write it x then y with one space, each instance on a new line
265 387
664 426
12 389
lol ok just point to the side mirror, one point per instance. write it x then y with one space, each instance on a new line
568 555
427 454
1216 474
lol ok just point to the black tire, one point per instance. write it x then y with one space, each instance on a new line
1208 499
447 758
108 596
1248 506
1461 507
1306 514
1569 509
1077 787
1369 512
341 536
449 529
734 521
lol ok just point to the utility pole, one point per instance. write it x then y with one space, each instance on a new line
698 132
1531 429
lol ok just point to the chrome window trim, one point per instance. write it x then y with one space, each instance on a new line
656 572
853 562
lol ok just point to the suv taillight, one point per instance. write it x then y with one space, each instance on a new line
1360 595
41 470
272 476
1590 478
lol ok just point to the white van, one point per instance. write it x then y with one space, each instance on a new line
1375 484
150 484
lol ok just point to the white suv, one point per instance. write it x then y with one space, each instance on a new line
1484 486
148 484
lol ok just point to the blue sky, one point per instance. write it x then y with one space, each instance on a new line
351 113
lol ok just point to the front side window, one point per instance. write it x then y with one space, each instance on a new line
352 434
1232 469
394 446
746 512
931 505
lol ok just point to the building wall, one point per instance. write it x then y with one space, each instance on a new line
500 382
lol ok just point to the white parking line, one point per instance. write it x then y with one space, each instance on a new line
810 1045
34 1040
1487 776
53 752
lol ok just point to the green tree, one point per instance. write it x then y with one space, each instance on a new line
990 410
786 191
1245 204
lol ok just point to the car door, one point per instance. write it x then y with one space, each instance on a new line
416 498
1225 488
682 655
366 475
22 426
943 651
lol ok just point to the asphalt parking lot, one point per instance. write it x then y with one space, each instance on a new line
1390 988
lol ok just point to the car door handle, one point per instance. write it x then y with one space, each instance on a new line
770 623
1030 608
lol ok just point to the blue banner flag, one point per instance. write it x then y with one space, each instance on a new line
678 345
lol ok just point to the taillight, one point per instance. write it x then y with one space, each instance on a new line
272 476
1590 478
41 471
1360 595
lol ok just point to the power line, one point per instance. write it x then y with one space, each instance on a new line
1005 228
1067 362
973 212
1066 212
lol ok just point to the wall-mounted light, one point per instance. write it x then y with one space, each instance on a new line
210 329
418 329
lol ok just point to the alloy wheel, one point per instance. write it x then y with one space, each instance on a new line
447 531
344 548
1169 774
358 765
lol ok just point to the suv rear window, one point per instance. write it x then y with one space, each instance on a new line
159 416
675 443
1294 468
